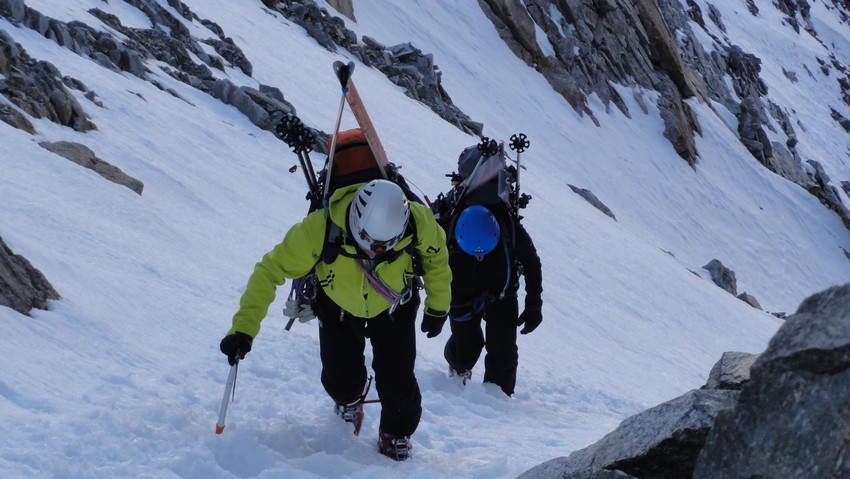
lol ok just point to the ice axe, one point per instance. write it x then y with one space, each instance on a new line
229 393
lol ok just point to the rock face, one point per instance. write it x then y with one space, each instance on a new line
37 89
792 417
22 287
596 44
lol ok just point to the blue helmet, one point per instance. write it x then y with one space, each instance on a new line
477 231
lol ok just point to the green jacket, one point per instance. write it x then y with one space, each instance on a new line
342 280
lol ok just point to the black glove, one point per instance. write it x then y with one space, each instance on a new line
432 322
531 318
236 343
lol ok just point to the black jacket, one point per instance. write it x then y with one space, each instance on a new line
475 284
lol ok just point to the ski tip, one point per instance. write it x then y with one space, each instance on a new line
219 429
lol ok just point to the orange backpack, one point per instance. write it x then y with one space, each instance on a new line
353 160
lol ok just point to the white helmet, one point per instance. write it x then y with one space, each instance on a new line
378 216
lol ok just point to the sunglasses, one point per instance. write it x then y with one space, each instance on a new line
380 246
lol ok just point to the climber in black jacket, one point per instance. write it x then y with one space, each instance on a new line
488 253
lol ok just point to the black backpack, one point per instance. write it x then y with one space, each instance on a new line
485 178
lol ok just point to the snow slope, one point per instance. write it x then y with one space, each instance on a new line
123 377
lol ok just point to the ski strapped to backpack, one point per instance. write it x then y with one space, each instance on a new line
355 103
354 156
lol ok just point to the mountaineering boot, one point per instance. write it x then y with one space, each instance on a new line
463 375
395 447
352 413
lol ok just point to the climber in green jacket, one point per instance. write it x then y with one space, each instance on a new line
367 287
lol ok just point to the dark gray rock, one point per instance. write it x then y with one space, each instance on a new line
597 474
273 107
229 93
827 193
22 287
787 165
344 7
14 10
722 276
749 299
792 417
13 117
593 200
732 371
37 88
373 44
661 442
599 43
744 68
751 121
85 157
680 123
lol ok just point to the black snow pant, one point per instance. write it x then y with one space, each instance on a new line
342 341
467 340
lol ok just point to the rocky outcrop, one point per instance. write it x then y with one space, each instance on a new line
35 88
782 413
792 415
22 287
85 157
749 299
662 442
827 193
403 64
593 45
344 7
725 279
169 41
722 276
731 372
597 43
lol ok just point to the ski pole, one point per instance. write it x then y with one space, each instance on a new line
519 143
292 131
343 74
229 392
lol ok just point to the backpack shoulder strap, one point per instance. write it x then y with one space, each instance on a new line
332 245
